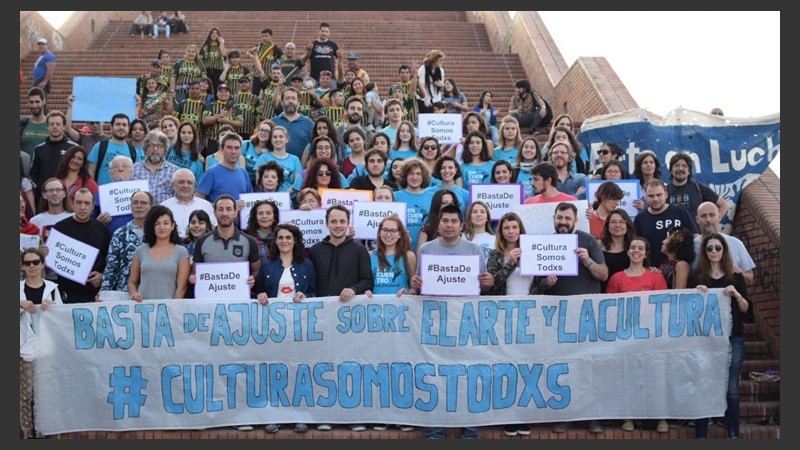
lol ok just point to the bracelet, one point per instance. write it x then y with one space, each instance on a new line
591 261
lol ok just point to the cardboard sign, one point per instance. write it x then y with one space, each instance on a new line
368 215
311 223
500 198
538 217
282 199
630 188
447 128
450 275
70 257
217 281
99 98
115 198
548 254
344 197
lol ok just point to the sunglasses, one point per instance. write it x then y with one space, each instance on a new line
31 262
603 152
430 147
713 248
324 173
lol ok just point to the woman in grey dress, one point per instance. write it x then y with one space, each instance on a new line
160 266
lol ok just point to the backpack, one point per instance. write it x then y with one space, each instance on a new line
102 155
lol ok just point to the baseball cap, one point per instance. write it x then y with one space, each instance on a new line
244 78
296 77
42 41
352 55
155 62
223 86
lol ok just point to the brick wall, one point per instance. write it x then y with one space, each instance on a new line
32 26
757 224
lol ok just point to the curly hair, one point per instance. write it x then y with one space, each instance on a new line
252 219
313 168
62 170
155 213
298 247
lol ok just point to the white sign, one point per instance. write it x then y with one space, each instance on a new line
311 224
368 215
32 241
447 128
421 360
218 281
281 199
70 258
630 189
450 275
345 197
548 254
115 198
538 217
500 198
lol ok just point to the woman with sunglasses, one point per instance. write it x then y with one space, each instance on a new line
609 151
322 173
35 294
430 152
715 270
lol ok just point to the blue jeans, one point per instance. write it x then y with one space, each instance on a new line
732 413
438 433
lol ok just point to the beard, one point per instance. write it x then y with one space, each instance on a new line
564 229
353 118
290 108
155 158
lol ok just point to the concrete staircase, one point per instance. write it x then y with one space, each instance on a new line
384 40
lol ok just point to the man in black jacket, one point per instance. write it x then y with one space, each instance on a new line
47 155
342 264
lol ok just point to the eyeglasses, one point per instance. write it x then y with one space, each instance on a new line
139 203
603 152
390 231
50 191
713 248
324 173
430 147
31 262
152 145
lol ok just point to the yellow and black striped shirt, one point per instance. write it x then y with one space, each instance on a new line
267 109
211 57
247 102
214 108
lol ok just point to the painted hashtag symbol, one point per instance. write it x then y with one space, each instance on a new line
430 267
126 390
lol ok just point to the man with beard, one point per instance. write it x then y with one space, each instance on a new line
563 157
591 271
90 231
117 145
155 169
47 154
655 222
54 208
124 242
33 129
184 201
354 112
376 164
297 125
85 138
226 243
544 184
688 193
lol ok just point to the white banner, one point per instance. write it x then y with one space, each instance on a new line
227 279
311 224
167 364
538 217
630 190
446 128
115 198
500 198
70 257
548 254
450 275
368 215
282 199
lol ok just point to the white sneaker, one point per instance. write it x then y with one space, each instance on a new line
324 427
245 428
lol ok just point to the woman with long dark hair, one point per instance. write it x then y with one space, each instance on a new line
261 224
73 170
212 54
646 167
186 151
199 224
618 231
488 111
454 100
715 270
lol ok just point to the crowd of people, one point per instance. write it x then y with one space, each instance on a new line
217 124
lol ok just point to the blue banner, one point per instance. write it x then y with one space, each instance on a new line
728 152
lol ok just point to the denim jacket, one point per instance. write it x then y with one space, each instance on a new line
305 277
